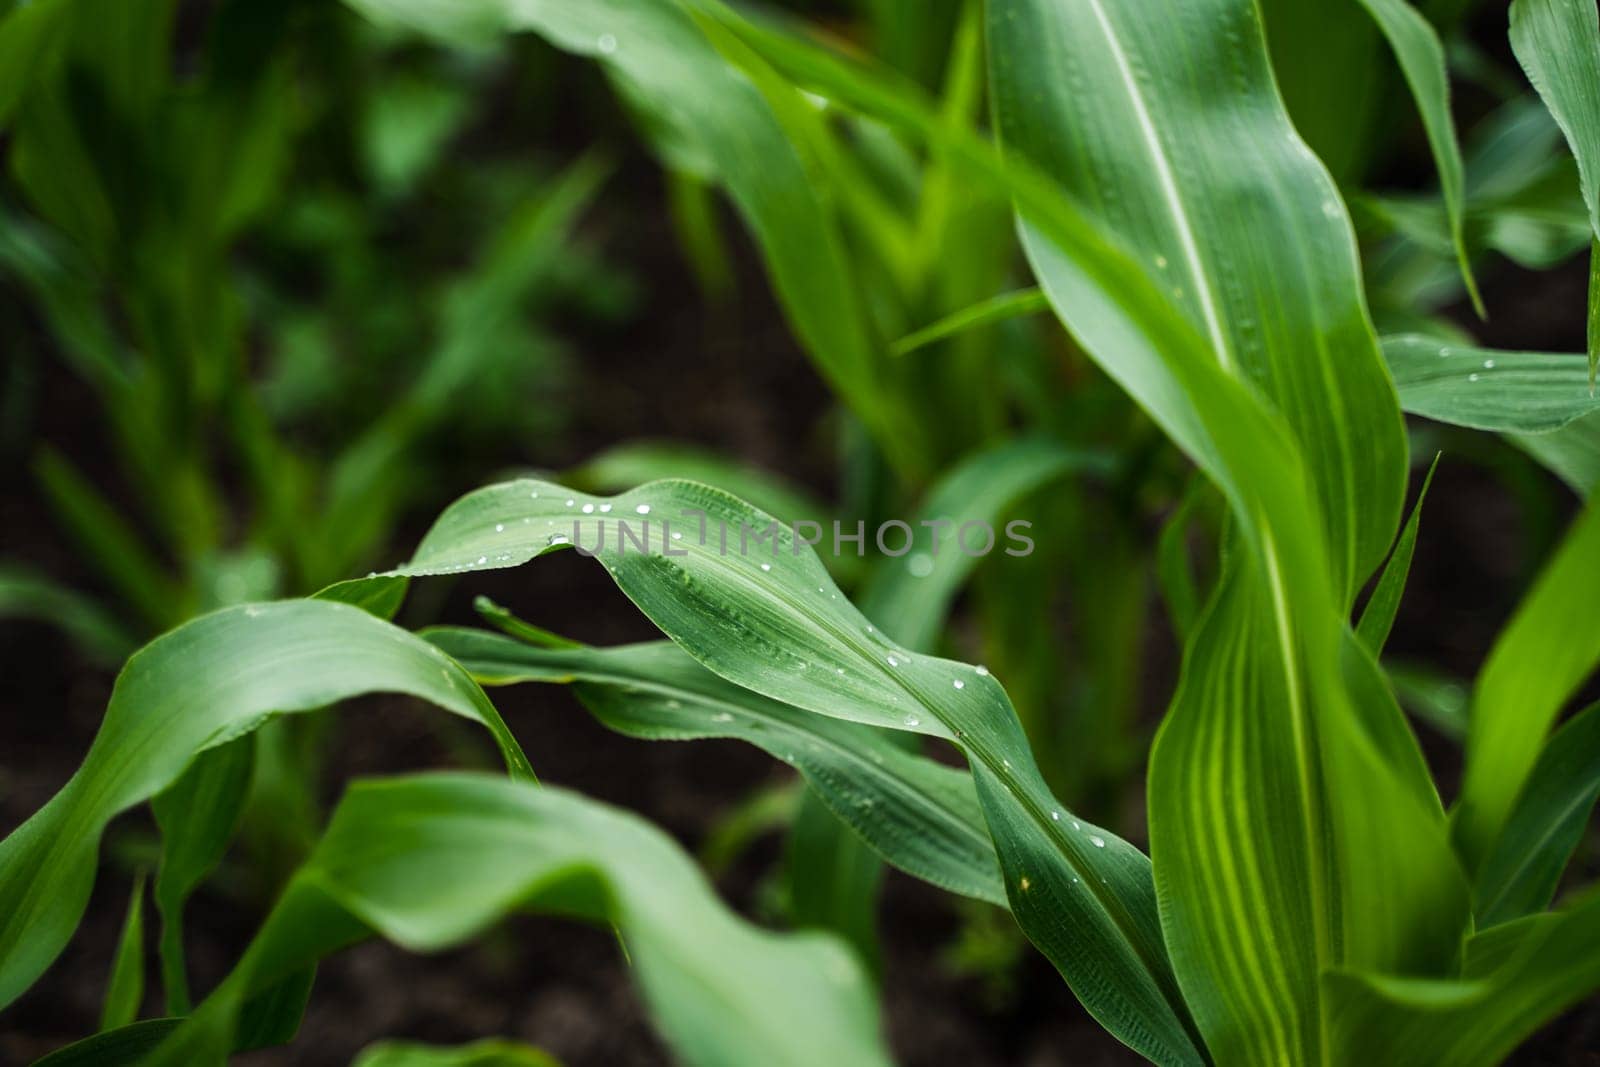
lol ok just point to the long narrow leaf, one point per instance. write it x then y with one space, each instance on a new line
917 814
1520 873
1550 646
1422 61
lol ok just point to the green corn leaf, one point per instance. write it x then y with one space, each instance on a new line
1517 977
984 313
1520 872
921 816
125 989
268 1019
1558 44
1264 735
490 1053
769 619
431 861
1165 364
1507 392
122 1047
203 684
1546 651
197 815
1422 61
1572 453
832 879
1377 617
1260 259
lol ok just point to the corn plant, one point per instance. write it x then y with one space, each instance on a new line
1307 896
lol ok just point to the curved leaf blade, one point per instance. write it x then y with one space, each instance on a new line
432 860
772 622
203 684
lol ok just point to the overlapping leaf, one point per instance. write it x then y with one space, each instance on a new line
1547 650
764 615
432 860
1145 118
919 815
193 689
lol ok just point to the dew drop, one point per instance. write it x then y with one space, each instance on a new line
920 565
893 662
722 716
1161 262
766 566
959 684
534 495
677 535
571 502
643 509
482 560
1488 364
605 508
1472 377
607 44
499 527
558 539
588 509
1024 884
1097 841
1055 816
912 720
981 671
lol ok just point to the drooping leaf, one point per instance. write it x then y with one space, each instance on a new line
1541 657
433 860
917 814
197 687
769 620
1520 871
1558 44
